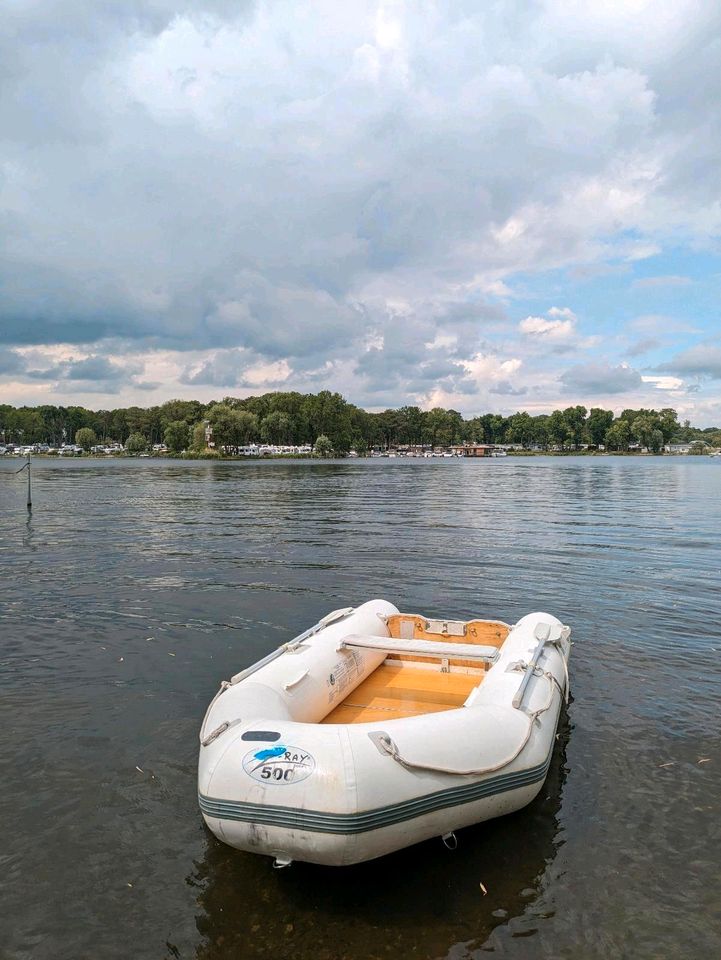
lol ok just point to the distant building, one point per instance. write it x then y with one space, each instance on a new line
474 450
209 442
685 447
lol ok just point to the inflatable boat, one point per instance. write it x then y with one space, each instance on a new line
375 730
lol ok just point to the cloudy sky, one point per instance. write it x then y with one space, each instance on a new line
499 206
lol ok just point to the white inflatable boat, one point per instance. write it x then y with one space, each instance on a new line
375 730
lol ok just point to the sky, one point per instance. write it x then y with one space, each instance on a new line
490 207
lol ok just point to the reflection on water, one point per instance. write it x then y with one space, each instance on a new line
137 585
416 902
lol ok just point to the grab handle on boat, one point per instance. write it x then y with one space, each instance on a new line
293 683
289 647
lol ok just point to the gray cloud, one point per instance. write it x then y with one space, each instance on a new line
223 370
283 187
230 368
702 360
600 379
92 369
424 349
645 345
91 374
507 389
96 368
11 362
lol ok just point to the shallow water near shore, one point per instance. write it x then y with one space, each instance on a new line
137 585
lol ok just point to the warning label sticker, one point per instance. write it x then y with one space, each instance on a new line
343 673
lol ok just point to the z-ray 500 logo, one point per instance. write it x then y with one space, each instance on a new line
279 764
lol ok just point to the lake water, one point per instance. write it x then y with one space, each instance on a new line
137 586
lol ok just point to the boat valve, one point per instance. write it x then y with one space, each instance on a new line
281 862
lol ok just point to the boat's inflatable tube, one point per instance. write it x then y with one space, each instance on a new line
273 780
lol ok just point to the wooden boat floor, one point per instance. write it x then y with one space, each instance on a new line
394 691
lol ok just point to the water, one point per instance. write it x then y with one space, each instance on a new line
138 585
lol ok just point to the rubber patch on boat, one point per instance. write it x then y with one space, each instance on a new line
265 736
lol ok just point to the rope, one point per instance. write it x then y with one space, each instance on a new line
567 682
226 725
391 748
224 684
538 672
215 734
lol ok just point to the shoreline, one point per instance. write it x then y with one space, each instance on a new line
212 456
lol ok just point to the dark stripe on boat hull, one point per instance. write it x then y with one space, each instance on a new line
321 821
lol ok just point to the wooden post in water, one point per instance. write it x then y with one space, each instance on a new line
26 466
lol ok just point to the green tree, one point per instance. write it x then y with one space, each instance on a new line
118 427
54 420
232 427
656 441
198 442
388 426
360 446
473 430
277 427
520 429
575 418
642 428
136 443
685 433
557 428
328 414
364 426
75 418
540 430
245 426
86 438
173 410
496 426
597 424
323 447
27 426
440 426
138 421
410 425
176 435
618 435
668 423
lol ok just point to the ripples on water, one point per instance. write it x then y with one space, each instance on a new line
138 585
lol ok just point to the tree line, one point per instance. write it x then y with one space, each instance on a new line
295 419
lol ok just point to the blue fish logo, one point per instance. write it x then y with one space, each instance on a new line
270 753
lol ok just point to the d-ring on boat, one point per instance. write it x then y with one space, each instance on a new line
376 729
